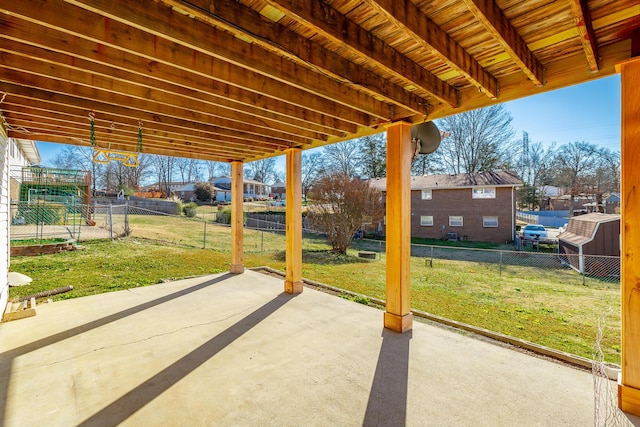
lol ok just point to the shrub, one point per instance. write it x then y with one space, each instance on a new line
204 191
190 209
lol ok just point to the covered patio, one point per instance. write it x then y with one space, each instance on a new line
236 350
238 81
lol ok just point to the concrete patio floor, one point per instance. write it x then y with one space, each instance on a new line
234 350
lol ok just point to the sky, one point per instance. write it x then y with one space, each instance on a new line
588 112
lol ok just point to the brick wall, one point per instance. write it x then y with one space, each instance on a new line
459 202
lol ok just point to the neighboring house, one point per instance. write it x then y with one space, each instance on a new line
251 188
563 203
550 191
592 234
478 207
279 190
160 187
187 192
612 203
22 153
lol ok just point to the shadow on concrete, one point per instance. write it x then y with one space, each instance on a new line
121 409
6 358
387 404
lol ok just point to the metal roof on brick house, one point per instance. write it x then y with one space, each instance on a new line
460 180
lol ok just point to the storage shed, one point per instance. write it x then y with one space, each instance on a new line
592 234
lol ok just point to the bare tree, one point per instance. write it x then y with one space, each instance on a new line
574 167
373 155
341 205
189 169
343 157
214 168
77 157
479 141
261 170
312 167
164 167
224 168
607 171
425 164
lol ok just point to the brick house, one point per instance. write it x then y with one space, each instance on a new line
478 207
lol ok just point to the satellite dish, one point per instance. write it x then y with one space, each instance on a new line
426 136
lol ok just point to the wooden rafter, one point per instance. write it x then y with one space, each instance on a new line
154 48
73 140
187 124
270 35
407 16
582 18
260 77
496 23
155 22
119 65
70 83
33 120
337 27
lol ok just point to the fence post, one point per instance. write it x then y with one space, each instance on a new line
111 221
431 256
204 242
500 263
126 219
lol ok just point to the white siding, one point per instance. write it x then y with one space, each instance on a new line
4 221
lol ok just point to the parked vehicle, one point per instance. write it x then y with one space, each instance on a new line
534 232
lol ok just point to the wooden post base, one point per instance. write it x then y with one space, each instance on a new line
398 323
628 399
236 269
292 287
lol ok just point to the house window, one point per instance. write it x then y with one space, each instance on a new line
489 221
455 221
426 220
484 193
426 194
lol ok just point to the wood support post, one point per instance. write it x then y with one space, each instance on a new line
293 199
237 217
629 386
397 316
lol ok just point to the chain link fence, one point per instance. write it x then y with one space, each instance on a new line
70 221
211 231
511 262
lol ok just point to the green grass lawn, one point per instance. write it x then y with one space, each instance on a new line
546 306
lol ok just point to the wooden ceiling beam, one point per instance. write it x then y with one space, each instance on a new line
49 101
43 109
161 21
198 92
423 30
20 116
582 18
154 48
105 139
271 35
332 24
69 82
70 140
230 96
497 24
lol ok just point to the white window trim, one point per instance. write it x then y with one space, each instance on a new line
456 225
484 221
428 223
426 194
483 193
